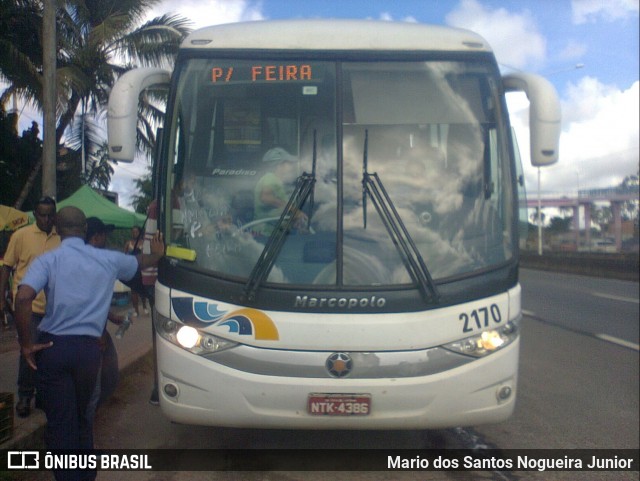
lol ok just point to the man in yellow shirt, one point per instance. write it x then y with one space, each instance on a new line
24 246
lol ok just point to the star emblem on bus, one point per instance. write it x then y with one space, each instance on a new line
339 364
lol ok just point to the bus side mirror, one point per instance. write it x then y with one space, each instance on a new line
544 115
122 114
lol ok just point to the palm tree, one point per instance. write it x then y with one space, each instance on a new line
20 49
98 40
84 137
99 170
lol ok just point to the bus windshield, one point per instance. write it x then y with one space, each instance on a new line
246 134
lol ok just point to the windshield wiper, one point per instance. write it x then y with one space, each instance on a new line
314 160
413 261
303 190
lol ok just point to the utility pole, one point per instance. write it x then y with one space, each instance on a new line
49 98
539 217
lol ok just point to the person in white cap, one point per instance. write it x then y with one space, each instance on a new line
271 195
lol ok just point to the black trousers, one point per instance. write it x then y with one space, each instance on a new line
66 377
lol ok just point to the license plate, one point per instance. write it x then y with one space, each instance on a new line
320 404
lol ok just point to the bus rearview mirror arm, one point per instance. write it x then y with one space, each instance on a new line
122 115
544 115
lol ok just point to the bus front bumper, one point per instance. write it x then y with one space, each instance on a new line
198 391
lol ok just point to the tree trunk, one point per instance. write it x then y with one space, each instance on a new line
49 144
28 185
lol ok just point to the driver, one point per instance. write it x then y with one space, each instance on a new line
271 194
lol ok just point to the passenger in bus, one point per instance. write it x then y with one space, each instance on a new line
272 193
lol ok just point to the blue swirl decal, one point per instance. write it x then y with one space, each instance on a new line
206 311
244 321
239 325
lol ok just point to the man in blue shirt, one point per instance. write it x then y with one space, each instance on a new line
78 281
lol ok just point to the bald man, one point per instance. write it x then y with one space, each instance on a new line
78 281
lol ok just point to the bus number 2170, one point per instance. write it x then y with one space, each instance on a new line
480 318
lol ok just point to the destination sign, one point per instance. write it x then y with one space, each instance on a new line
262 73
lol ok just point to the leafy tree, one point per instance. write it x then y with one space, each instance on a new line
94 166
602 215
538 217
98 170
141 201
68 172
21 49
631 183
18 154
98 40
559 225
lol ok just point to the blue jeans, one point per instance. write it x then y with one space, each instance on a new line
66 376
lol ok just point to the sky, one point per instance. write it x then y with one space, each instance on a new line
589 49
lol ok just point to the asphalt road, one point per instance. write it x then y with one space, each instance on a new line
606 308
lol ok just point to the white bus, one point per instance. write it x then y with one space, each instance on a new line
340 205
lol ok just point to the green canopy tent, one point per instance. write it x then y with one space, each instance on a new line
94 205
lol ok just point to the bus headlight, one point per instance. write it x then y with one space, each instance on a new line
189 338
486 342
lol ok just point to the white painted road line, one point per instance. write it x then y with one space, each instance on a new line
616 298
620 342
602 337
